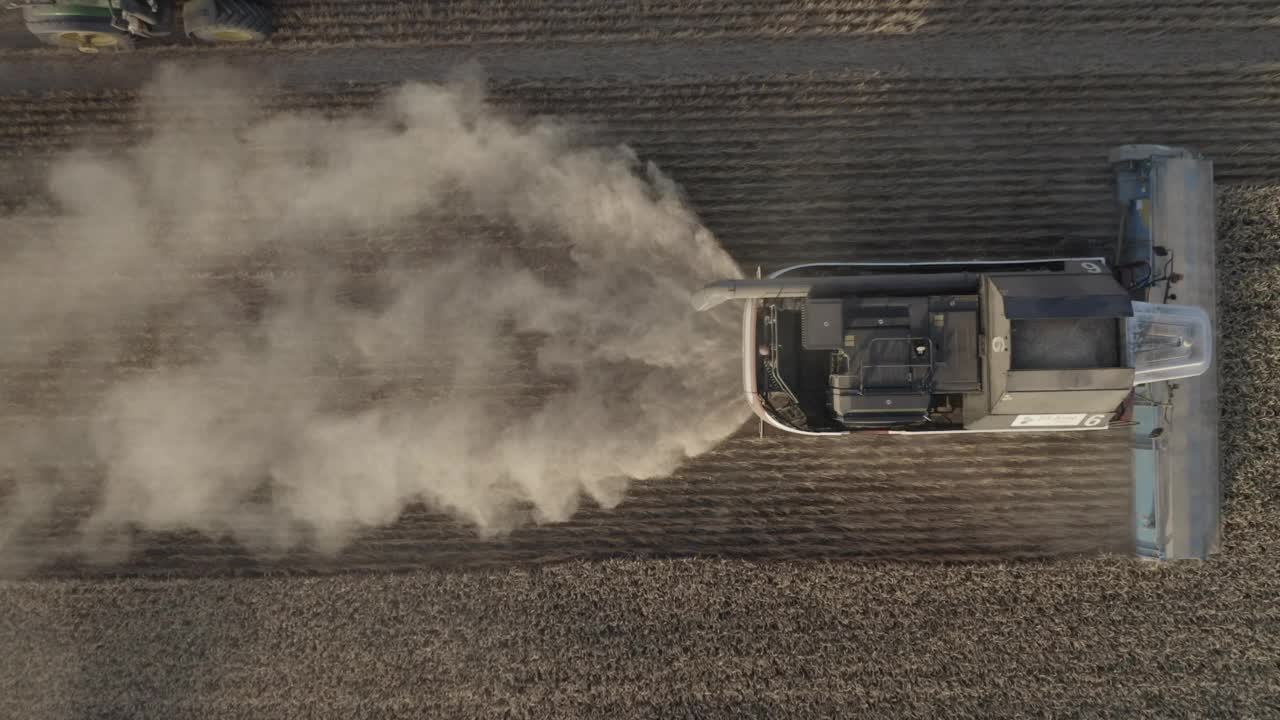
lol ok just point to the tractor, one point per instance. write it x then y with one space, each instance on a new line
92 26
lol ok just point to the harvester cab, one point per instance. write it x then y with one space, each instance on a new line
92 26
1041 344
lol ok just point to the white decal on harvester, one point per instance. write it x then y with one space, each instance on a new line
1059 420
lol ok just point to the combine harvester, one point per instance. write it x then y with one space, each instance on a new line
92 26
1020 346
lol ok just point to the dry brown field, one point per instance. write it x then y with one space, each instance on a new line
774 576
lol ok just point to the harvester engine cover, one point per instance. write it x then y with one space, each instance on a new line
978 346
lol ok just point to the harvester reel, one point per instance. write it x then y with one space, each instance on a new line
226 21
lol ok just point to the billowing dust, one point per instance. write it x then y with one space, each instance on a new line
286 328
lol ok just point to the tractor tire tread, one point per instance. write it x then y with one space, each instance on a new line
247 15
244 13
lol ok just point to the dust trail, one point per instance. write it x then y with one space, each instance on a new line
287 328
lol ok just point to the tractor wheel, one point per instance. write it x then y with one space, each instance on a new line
227 21
86 29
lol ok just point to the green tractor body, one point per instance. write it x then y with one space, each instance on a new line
92 26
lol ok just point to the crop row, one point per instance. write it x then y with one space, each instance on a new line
302 24
322 22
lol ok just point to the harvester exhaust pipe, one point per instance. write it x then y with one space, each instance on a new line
720 292
903 284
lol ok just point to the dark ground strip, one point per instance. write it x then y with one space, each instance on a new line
997 55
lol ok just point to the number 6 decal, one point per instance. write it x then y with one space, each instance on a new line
1091 267
1095 420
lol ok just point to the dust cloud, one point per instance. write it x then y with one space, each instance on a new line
286 327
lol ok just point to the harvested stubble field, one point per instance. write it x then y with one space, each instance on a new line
305 24
946 500
325 22
709 593
789 169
